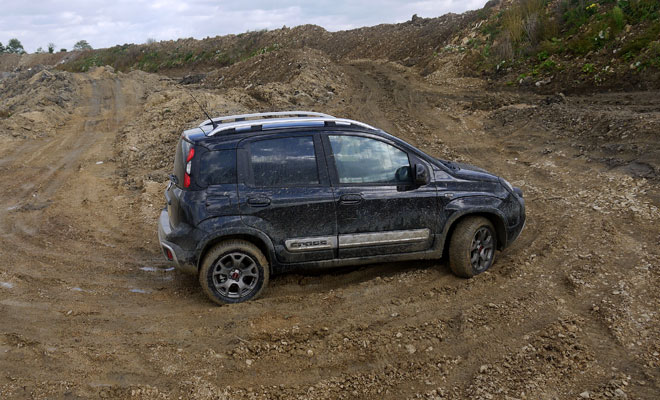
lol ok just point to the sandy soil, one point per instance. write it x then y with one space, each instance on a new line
89 309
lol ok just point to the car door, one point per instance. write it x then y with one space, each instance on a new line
284 191
380 210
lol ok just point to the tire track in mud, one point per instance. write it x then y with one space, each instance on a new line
46 167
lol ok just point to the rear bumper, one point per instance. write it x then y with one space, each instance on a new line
180 258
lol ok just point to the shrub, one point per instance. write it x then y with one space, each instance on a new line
14 46
548 65
503 48
588 68
617 19
532 28
641 9
512 21
82 45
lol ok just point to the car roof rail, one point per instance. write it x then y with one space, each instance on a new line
274 114
275 123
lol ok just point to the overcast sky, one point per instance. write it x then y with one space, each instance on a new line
107 23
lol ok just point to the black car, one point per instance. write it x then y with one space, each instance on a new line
257 194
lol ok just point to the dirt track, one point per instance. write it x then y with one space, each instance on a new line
88 310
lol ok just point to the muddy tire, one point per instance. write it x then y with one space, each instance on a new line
472 247
234 271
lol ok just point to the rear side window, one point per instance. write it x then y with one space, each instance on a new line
217 168
284 162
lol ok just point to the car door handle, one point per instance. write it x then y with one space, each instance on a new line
350 199
259 201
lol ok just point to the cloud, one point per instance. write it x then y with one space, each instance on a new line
105 24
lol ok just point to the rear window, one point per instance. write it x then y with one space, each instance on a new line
182 149
217 168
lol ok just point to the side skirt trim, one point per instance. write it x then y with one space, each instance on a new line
357 240
383 238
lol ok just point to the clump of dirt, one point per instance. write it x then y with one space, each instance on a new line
35 102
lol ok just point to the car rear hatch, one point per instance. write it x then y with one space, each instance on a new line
180 181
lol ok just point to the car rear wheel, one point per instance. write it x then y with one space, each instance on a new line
234 271
472 247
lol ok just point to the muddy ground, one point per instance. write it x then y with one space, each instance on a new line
89 309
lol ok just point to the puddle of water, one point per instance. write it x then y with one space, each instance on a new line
99 162
156 269
13 207
6 285
140 291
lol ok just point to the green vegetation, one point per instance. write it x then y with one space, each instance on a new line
157 56
82 45
533 35
588 68
13 46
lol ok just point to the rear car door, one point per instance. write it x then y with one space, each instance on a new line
284 191
379 208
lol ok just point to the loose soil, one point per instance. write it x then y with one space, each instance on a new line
89 308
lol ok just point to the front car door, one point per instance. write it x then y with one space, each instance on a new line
379 208
284 191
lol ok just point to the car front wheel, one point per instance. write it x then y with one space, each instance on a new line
234 271
472 247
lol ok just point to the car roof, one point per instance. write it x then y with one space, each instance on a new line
271 121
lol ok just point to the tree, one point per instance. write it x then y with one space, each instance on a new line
81 45
51 47
14 46
39 50
2 48
62 50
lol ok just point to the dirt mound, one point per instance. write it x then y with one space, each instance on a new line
413 43
280 79
35 102
12 62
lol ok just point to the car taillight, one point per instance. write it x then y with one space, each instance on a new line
186 176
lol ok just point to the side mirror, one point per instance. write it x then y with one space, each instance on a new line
403 175
421 175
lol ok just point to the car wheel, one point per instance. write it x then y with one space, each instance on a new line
234 271
472 247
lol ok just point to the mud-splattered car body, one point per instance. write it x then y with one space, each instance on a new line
316 191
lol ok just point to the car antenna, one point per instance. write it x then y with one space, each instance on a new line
215 125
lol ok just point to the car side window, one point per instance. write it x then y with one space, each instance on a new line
217 167
365 160
284 162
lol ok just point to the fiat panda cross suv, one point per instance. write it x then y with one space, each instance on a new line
257 194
